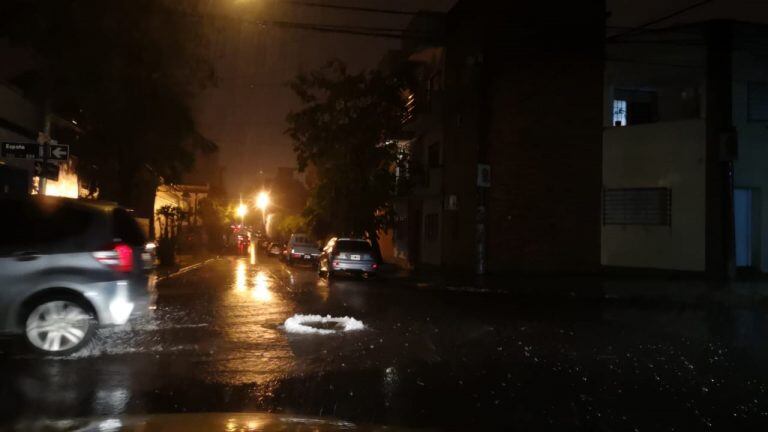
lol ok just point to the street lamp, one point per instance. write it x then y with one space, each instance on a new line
262 202
241 211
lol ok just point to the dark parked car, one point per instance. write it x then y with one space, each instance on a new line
68 266
347 255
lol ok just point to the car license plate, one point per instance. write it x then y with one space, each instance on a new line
355 257
307 256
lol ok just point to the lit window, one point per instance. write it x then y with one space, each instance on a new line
619 113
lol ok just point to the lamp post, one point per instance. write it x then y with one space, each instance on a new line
262 202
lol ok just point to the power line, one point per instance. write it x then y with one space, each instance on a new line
378 32
350 30
351 8
641 28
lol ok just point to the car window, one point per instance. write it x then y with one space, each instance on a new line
46 226
126 229
16 236
353 246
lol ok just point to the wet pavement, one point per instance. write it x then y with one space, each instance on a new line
441 359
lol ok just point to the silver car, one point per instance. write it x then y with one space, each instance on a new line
347 255
67 267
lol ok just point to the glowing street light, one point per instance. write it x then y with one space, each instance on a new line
241 211
262 202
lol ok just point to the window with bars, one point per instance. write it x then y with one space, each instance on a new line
632 107
637 206
619 112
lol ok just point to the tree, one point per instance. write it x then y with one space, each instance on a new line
345 129
214 216
286 224
170 218
126 71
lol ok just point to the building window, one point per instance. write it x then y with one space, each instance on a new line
409 99
637 206
631 107
619 113
757 101
433 155
431 226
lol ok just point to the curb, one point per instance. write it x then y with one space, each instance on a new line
185 269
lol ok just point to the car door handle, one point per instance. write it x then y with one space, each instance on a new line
26 256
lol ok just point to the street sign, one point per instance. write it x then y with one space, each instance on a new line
21 150
31 150
49 170
59 152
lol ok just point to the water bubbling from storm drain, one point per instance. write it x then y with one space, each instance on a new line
318 324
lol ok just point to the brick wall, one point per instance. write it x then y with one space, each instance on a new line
527 87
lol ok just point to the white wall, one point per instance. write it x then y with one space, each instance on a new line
751 167
667 154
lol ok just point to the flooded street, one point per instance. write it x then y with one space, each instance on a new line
217 343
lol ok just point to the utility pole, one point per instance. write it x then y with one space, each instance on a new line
721 150
45 146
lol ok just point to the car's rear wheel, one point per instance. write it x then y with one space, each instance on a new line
58 326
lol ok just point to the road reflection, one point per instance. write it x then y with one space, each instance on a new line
261 290
253 348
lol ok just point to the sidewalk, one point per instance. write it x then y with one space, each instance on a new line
184 263
636 289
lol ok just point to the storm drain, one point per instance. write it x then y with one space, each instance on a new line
318 324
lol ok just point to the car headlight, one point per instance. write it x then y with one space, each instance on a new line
120 307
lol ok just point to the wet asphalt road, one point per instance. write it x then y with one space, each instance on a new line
447 360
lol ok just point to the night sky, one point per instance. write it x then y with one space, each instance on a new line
245 112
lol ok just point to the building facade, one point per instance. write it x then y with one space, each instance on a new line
507 157
684 151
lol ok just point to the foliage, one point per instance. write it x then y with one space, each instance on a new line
125 70
215 217
170 221
345 129
292 224
283 225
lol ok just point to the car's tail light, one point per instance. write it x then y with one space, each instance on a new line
119 257
374 266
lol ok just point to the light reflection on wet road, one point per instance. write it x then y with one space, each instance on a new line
443 359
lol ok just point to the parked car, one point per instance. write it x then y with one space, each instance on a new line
301 249
69 266
275 249
347 255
